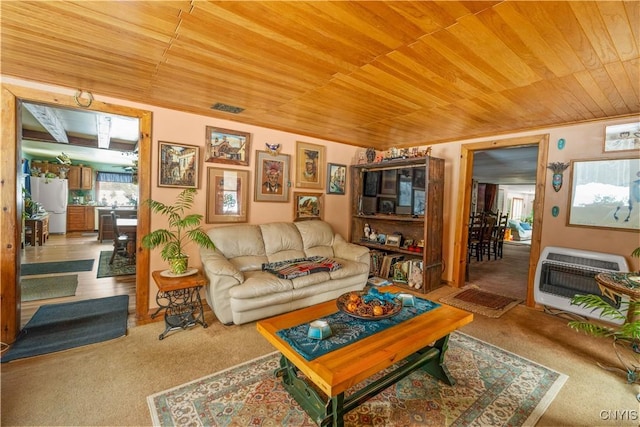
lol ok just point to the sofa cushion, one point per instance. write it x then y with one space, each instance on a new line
281 241
310 280
228 242
260 283
248 263
317 238
349 268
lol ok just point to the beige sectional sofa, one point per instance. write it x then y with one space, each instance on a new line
239 291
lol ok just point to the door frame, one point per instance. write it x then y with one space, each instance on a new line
10 215
464 204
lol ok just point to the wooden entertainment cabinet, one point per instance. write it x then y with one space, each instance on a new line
402 198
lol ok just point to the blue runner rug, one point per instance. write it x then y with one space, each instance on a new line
347 329
56 327
56 267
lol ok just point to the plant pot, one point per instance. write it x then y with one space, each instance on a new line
179 264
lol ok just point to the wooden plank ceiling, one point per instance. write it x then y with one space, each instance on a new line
375 73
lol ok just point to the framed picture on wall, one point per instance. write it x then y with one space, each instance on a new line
310 165
624 137
603 198
272 177
389 182
227 195
179 165
307 206
227 146
336 178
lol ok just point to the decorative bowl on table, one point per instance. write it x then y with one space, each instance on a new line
368 305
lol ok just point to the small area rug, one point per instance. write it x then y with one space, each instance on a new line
56 327
48 287
494 387
56 267
120 267
486 303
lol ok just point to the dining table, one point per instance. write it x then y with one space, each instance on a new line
129 227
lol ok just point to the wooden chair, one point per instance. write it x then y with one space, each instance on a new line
497 238
120 241
476 226
489 222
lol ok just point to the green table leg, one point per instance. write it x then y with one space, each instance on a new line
331 410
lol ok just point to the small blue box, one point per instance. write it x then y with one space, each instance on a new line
319 330
407 300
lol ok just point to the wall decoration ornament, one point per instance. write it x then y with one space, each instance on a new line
371 154
555 211
273 149
561 143
558 168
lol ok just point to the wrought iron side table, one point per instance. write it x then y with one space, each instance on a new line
179 297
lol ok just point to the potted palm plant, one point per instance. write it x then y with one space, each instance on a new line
626 336
183 227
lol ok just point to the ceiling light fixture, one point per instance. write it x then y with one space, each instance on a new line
104 131
49 120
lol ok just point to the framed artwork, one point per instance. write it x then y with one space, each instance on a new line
309 165
227 195
389 179
418 202
605 193
404 188
622 137
371 184
336 178
418 177
179 165
307 206
227 146
386 205
272 177
393 240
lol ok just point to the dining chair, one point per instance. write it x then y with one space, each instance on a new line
120 241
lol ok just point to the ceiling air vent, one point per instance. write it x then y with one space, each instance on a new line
226 108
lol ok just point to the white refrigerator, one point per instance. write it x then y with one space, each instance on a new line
53 195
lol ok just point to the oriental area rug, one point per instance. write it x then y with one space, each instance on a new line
121 266
493 387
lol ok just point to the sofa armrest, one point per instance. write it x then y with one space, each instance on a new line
350 251
223 276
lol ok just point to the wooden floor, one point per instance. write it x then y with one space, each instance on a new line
76 246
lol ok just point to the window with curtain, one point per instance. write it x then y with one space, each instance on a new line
114 188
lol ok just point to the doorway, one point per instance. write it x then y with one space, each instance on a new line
12 97
464 203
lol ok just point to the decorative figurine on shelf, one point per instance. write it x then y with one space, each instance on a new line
62 173
63 159
373 236
371 154
367 231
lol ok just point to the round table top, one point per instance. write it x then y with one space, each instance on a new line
621 283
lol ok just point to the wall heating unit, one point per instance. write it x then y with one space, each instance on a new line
562 273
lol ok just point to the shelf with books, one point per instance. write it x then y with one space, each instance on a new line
397 209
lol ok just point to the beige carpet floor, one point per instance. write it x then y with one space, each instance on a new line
107 383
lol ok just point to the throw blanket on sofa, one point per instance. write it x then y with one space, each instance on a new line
293 268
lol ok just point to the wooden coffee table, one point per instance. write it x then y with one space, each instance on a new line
422 341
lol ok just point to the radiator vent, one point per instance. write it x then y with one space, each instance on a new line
562 273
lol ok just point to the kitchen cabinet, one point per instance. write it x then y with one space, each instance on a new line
80 218
80 178
402 202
